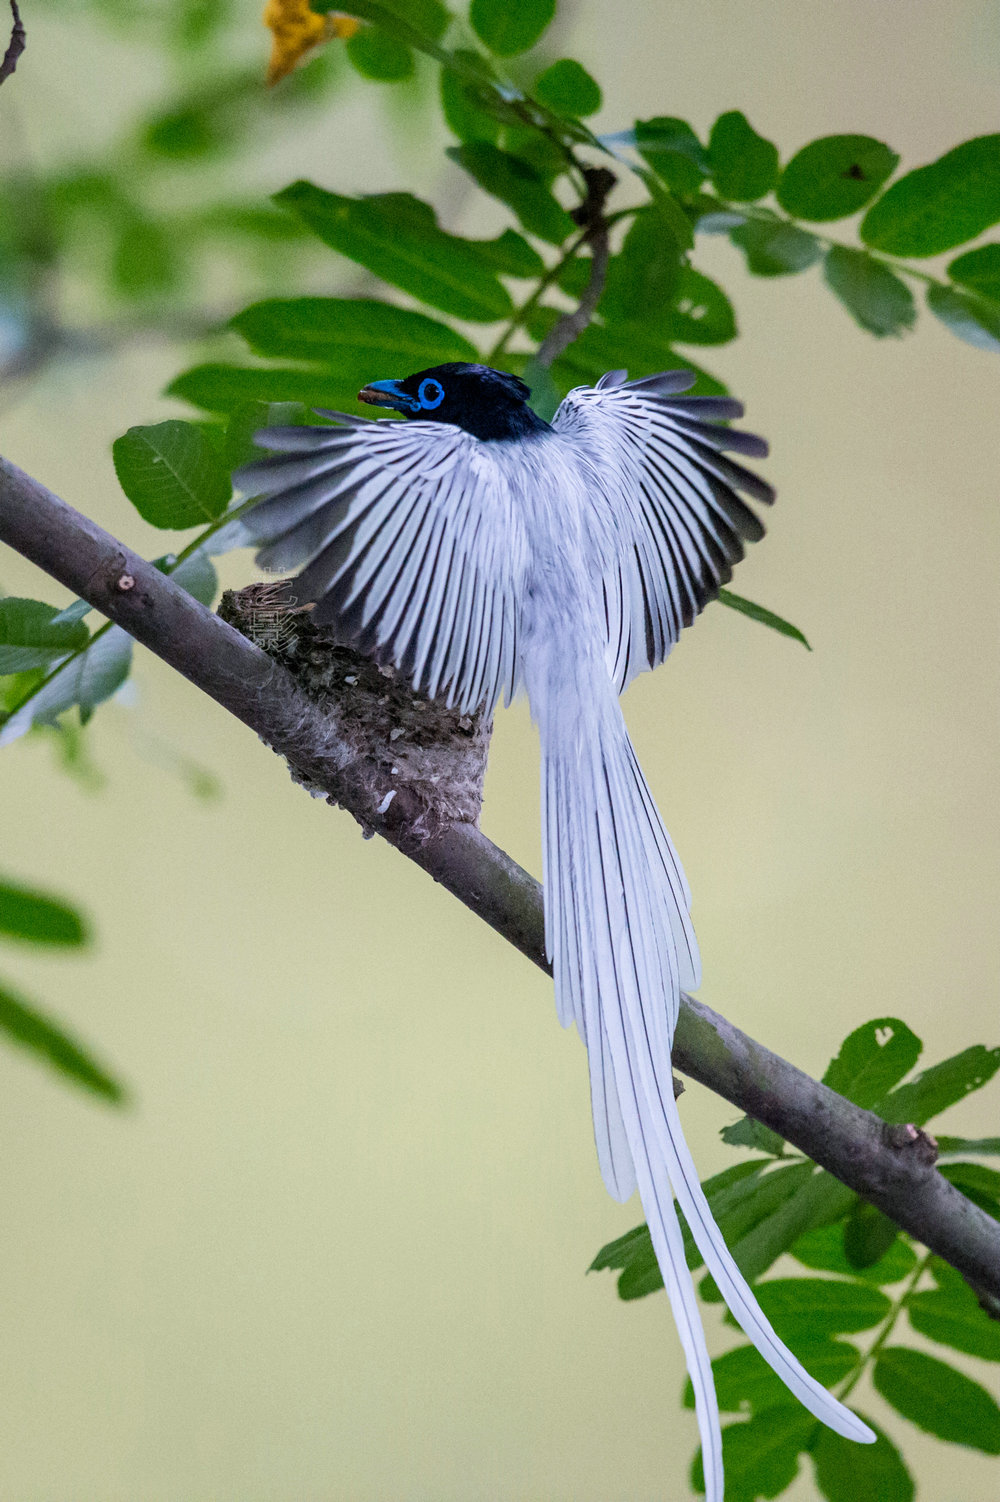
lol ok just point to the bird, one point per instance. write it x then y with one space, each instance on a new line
483 552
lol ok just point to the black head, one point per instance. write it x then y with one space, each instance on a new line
486 403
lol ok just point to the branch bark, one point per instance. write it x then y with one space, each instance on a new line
891 1166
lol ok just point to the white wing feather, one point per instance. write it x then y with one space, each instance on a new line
411 544
681 522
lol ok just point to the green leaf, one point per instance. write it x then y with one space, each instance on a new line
954 1318
847 1472
620 1252
103 668
567 88
145 260
197 575
574 276
380 57
979 270
517 184
38 919
710 217
257 222
674 219
247 419
633 1253
806 1307
775 248
945 1275
462 103
744 1380
195 23
873 295
428 17
753 1219
644 276
85 680
823 1249
936 207
187 130
544 395
816 1199
872 1059
988 1147
979 1183
627 346
14 688
538 150
419 23
368 336
673 151
835 176
509 29
761 1456
868 1235
702 313
31 636
748 1132
512 254
941 1086
74 611
397 237
744 165
172 474
764 616
223 388
46 1039
742 1204
974 319
938 1399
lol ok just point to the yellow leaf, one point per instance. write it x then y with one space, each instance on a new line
296 30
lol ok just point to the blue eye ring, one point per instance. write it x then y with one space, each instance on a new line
430 394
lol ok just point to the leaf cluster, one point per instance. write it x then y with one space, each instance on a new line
873 1277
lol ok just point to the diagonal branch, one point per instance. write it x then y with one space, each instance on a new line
891 1166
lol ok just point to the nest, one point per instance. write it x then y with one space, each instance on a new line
403 739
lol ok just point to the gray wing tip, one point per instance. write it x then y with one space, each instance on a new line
347 419
665 383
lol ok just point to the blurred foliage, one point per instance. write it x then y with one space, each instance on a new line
127 239
521 139
41 921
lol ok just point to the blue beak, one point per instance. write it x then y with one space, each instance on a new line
388 394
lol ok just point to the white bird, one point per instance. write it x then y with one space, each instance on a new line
482 551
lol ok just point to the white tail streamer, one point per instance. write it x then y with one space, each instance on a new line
610 890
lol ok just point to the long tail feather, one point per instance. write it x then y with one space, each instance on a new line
613 887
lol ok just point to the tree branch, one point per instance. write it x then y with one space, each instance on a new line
891 1166
590 216
16 45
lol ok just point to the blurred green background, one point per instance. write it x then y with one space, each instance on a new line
336 1247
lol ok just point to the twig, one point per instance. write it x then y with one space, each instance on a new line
16 45
590 215
890 1166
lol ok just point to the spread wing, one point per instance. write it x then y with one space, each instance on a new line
681 522
410 544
